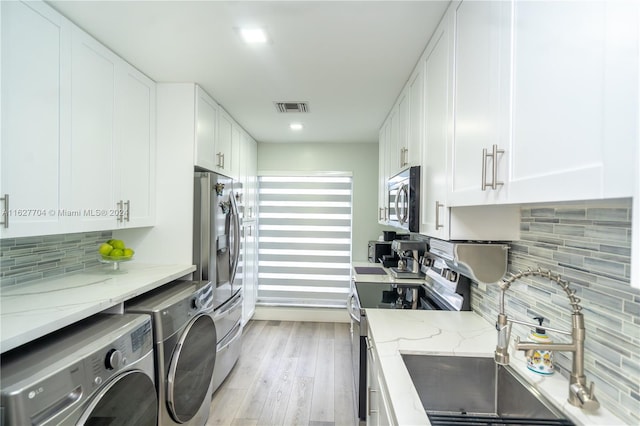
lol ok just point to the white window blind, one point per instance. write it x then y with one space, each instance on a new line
304 243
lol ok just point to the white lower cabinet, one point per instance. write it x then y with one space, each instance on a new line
378 409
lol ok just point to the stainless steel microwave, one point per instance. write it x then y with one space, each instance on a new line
404 199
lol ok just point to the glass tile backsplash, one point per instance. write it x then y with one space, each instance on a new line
33 258
589 244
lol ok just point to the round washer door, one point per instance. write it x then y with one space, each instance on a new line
128 400
191 369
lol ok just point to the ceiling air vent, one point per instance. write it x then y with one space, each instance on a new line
292 106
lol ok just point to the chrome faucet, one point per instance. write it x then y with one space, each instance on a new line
579 395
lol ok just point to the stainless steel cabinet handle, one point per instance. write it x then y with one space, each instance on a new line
120 207
380 213
494 171
222 160
404 157
483 184
438 225
494 182
5 212
386 213
128 210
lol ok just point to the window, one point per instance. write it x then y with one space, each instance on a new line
304 243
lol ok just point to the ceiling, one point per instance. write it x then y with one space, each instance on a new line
347 59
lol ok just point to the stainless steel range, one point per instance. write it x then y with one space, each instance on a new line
439 288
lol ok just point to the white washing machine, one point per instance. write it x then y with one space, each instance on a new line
99 371
185 341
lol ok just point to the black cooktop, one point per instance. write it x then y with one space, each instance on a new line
369 270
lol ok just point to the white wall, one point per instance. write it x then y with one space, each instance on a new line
361 159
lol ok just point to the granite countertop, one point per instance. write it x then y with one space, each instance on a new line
397 332
31 310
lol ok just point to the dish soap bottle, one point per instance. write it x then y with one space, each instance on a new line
541 361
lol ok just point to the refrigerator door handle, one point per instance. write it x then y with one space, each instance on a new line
203 237
235 222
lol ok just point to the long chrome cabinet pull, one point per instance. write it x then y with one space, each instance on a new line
380 213
5 212
494 172
128 210
120 206
438 205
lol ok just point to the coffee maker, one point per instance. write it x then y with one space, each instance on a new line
409 253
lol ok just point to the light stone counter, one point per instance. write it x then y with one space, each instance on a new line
31 310
397 332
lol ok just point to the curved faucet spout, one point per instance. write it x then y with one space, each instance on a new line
578 393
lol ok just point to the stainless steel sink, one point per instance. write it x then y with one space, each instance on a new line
475 390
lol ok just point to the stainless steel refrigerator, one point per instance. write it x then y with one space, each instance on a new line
217 249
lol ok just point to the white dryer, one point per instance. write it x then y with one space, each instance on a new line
185 342
99 371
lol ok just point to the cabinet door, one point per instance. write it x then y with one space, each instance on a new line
481 99
382 175
393 143
93 179
234 159
373 388
206 130
573 62
223 143
416 117
35 105
136 159
438 129
249 287
250 155
402 147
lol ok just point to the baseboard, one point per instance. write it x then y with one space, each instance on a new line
280 313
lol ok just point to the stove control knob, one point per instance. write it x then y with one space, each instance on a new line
113 360
453 276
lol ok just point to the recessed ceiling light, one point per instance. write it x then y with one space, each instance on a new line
253 35
296 126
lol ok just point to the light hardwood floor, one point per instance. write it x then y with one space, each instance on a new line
289 373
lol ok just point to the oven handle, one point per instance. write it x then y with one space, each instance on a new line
349 308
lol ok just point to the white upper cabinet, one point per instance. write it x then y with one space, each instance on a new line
35 118
438 108
575 103
112 162
481 100
78 129
413 153
206 131
92 165
249 155
382 175
136 146
224 162
439 219
545 104
402 147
